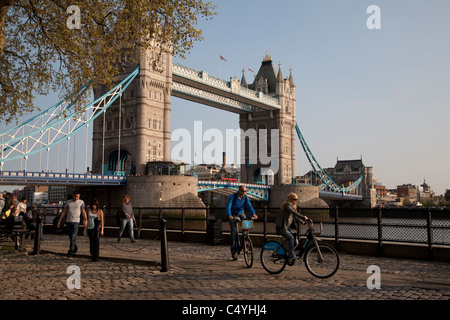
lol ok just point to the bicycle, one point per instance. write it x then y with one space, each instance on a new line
244 242
321 260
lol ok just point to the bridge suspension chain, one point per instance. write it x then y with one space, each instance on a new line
327 181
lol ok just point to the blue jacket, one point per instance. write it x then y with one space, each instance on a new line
236 205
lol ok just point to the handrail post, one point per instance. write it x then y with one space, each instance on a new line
380 233
429 235
265 224
139 226
336 227
45 215
164 249
183 235
37 236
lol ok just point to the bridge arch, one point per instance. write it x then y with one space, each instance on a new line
118 164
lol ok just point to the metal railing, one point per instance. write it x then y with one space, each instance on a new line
428 226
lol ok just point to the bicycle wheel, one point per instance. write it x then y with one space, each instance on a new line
273 257
248 252
321 268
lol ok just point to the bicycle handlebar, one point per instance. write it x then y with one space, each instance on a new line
237 218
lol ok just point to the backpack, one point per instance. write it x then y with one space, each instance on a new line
5 214
28 216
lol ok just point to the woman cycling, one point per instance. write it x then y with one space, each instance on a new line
284 222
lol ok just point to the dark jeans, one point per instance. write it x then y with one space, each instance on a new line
92 243
289 235
234 232
72 231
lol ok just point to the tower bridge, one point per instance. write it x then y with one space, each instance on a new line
131 127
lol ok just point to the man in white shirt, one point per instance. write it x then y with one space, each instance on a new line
74 208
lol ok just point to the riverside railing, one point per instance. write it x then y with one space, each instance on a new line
429 226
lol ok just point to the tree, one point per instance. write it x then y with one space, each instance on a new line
44 46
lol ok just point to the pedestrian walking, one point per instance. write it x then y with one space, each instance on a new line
74 209
94 212
127 220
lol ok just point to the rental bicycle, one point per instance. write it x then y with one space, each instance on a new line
321 260
245 244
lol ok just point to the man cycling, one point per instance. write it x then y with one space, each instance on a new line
235 208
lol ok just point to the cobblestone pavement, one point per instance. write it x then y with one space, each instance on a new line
204 272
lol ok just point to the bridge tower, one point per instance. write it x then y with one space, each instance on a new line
280 126
136 128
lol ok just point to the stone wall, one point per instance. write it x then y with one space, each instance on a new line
166 191
150 191
278 194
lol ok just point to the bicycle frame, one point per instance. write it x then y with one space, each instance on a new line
310 236
242 233
321 260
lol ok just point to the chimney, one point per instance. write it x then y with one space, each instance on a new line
224 160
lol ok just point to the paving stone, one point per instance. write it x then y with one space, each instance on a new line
129 271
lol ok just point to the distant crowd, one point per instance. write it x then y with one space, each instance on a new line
13 210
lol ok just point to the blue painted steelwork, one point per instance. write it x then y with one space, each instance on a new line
44 116
327 181
50 178
255 191
57 125
332 195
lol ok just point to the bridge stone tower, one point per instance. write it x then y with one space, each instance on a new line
136 128
280 126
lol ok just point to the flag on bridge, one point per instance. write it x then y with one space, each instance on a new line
222 58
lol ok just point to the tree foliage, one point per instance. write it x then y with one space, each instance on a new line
40 51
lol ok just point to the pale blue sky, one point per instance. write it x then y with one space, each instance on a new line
380 94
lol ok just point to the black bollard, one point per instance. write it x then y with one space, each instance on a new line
96 241
37 236
164 250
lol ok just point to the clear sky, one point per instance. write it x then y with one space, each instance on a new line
383 95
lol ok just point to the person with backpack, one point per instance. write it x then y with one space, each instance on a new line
30 219
6 209
237 202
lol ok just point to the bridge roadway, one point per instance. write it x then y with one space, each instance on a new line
201 274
